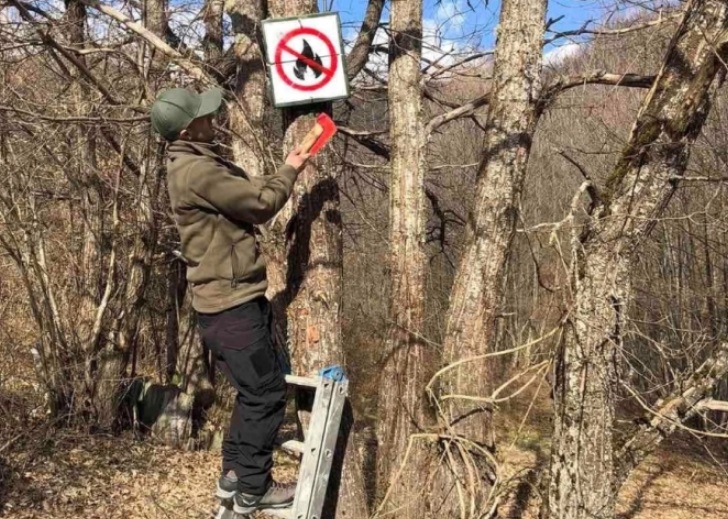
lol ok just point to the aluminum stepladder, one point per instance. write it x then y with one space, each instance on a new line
317 450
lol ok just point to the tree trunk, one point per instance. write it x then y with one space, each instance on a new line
102 359
172 410
176 290
212 42
156 16
583 483
403 408
246 110
582 453
314 269
477 287
155 19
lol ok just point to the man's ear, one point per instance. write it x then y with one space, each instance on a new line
184 135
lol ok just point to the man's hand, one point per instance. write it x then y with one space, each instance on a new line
297 159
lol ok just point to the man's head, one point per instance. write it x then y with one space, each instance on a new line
179 113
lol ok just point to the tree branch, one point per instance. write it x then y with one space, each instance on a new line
359 54
154 40
48 118
461 111
591 187
612 32
365 139
169 35
467 59
51 42
671 412
37 10
599 77
714 405
677 178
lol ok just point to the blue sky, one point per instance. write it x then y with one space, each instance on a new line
452 27
472 23
460 26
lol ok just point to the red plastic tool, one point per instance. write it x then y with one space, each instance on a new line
328 130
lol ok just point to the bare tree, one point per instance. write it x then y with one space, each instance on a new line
583 480
477 288
403 409
311 225
247 109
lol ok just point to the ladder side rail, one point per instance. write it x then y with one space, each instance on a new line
330 437
313 449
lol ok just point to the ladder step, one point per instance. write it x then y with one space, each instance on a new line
294 446
285 513
294 380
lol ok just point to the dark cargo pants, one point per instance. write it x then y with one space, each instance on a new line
241 342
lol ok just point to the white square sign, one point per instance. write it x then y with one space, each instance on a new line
305 59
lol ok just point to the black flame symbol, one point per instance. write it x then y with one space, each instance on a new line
301 66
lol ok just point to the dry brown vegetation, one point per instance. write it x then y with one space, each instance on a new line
92 297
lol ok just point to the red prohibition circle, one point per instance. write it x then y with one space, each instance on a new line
282 47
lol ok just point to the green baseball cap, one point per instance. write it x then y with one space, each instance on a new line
176 108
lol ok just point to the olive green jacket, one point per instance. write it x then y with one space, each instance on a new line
216 207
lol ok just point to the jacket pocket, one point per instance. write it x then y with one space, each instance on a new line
243 257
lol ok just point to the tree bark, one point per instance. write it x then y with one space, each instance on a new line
155 19
246 111
477 290
403 408
156 16
314 268
359 55
583 482
212 42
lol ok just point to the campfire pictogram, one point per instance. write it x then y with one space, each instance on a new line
302 66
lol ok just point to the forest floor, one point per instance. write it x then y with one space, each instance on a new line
64 474
97 476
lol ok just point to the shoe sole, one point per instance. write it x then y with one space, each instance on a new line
250 509
221 493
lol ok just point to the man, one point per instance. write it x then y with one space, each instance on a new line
216 207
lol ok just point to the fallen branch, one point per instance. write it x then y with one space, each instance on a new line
669 414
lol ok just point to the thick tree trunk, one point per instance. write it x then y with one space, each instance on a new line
583 483
246 111
156 16
582 453
314 269
403 408
477 287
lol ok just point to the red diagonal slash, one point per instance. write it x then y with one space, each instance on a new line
308 61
